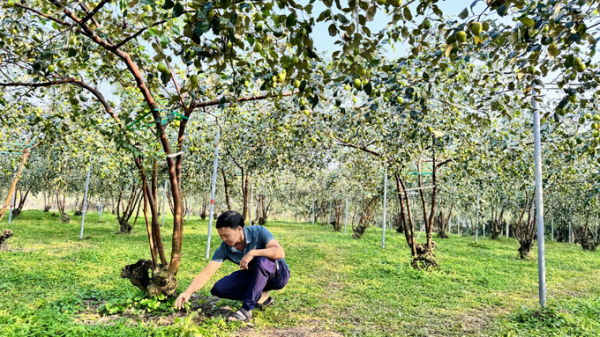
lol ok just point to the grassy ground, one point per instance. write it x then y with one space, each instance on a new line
338 286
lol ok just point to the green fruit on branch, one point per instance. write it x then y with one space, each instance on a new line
588 116
461 37
400 100
258 47
381 2
357 82
162 68
194 79
579 65
531 70
476 28
426 24
429 129
347 87
51 68
395 3
229 45
10 4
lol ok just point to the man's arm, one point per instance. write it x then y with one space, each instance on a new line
273 251
198 282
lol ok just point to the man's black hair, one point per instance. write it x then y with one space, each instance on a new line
230 219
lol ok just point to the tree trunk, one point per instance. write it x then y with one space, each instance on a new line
21 202
226 190
407 220
585 237
245 181
13 185
365 220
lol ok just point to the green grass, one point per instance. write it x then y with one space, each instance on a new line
351 287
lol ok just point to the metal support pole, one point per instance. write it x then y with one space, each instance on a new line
346 217
477 219
12 206
570 231
212 192
539 199
164 201
384 207
87 184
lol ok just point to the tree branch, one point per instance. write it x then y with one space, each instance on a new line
131 37
42 14
239 100
362 148
93 12
37 85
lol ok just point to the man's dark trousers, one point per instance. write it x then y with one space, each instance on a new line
263 274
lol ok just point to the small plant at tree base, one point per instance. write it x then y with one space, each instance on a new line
155 305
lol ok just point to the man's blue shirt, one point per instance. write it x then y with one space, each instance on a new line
256 237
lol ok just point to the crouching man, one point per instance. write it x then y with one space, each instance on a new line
261 260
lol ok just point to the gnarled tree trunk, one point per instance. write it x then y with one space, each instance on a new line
585 237
497 223
366 217
123 216
264 207
525 230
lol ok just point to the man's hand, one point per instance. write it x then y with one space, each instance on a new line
246 259
184 297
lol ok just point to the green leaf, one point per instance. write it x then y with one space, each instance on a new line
149 21
341 18
371 13
332 30
290 21
527 21
178 10
502 10
406 13
464 14
368 88
324 15
168 4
